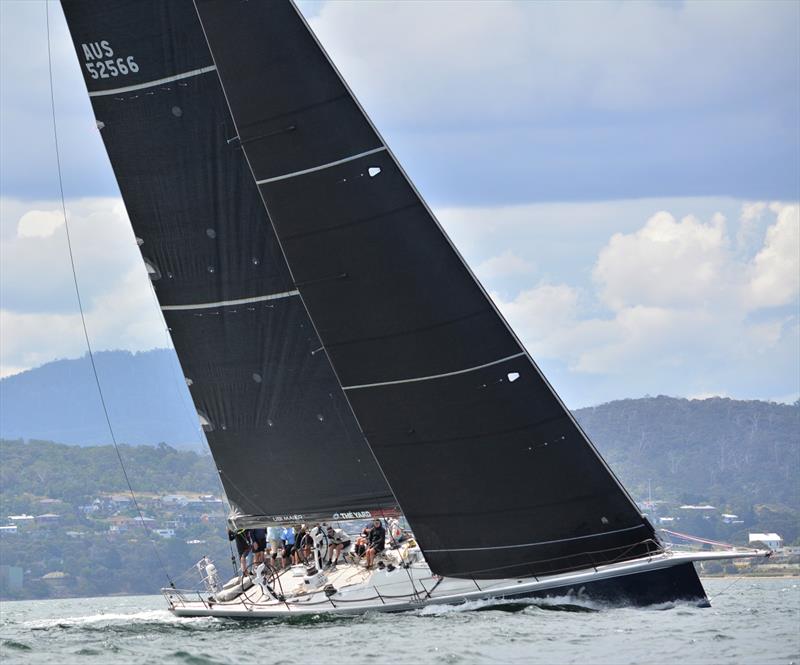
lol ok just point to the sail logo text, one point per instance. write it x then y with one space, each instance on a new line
101 63
352 515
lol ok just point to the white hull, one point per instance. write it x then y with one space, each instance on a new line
358 590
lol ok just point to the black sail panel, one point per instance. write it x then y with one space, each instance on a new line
280 429
489 467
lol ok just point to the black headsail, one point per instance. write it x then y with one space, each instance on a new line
282 434
490 469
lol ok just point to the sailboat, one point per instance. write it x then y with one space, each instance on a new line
345 362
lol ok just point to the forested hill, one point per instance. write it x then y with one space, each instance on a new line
77 474
688 451
737 455
742 457
145 393
148 404
693 450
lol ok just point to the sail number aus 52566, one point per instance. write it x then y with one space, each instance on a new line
101 63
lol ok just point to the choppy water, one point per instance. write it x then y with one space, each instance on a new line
752 621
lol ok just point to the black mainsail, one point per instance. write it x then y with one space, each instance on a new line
489 467
305 282
281 432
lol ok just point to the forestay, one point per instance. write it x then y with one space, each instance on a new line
490 469
282 434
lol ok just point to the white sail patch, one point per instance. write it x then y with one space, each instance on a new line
227 303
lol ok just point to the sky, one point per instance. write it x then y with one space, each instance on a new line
623 177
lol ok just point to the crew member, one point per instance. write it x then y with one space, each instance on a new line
259 540
303 543
274 534
288 537
243 546
338 541
376 541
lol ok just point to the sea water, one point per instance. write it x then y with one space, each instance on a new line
752 620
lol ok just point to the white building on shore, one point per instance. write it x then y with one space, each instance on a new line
771 540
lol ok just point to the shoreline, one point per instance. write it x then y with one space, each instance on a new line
792 576
761 577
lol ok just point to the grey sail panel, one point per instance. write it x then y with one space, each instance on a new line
490 469
281 432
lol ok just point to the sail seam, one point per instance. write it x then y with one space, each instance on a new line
479 435
226 303
320 167
150 84
433 376
543 542
355 222
410 331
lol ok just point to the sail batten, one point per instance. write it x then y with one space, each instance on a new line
152 84
229 303
434 376
321 167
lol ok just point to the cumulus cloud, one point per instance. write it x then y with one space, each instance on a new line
504 265
29 340
34 257
753 210
39 223
751 220
39 317
664 306
666 263
774 273
671 307
689 263
542 313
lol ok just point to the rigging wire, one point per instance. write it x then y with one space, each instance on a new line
201 438
738 578
147 531
696 539
403 565
704 541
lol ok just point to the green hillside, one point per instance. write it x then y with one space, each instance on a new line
74 474
741 457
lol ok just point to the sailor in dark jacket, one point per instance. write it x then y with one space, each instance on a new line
258 538
244 545
376 540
